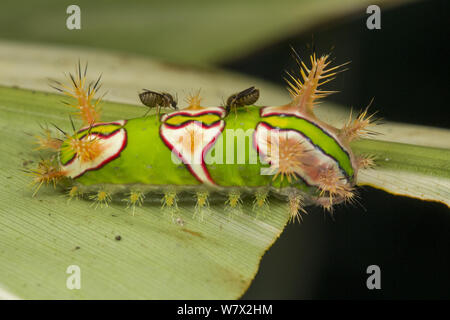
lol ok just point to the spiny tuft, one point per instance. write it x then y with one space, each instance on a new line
304 88
83 93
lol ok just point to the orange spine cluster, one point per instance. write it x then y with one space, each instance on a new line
83 93
86 148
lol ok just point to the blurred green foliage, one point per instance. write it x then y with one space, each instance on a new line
196 32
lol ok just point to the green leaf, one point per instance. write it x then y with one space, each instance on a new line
410 170
123 75
157 257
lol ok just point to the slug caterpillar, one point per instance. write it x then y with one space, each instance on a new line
235 150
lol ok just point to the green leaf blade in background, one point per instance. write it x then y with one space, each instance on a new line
404 169
198 32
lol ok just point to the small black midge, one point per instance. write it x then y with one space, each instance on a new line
246 97
26 163
118 238
157 100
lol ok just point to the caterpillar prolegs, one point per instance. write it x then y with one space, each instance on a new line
199 150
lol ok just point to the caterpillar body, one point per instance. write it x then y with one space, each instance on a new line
282 150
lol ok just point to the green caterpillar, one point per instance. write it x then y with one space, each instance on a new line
285 150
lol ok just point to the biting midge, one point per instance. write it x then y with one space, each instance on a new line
246 97
198 151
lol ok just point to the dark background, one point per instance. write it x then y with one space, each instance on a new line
404 66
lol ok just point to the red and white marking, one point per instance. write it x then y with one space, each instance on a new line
190 143
195 112
313 160
111 146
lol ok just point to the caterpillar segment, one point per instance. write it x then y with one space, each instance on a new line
281 150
